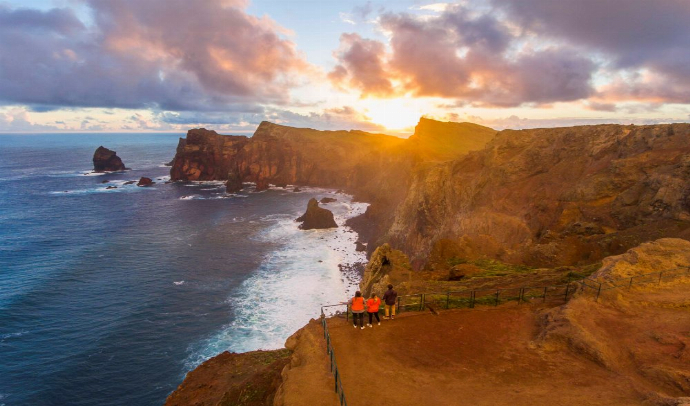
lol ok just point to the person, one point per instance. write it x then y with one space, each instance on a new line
389 299
373 309
357 307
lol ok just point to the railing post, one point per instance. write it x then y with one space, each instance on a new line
421 301
567 287
545 288
630 285
498 292
522 292
598 293
472 295
660 273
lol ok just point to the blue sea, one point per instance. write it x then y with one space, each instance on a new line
109 297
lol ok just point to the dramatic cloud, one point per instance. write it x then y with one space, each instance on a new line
649 38
460 54
361 66
161 54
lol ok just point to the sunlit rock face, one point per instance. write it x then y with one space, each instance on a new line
545 197
556 196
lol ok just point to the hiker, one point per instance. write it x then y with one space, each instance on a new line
389 299
373 308
357 307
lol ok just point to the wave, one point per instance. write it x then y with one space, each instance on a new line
291 284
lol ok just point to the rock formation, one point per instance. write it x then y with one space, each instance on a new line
105 160
386 266
326 200
144 182
549 197
541 197
234 183
316 217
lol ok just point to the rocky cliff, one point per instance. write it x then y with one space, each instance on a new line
543 197
550 196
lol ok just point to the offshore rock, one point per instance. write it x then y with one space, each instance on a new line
326 200
316 217
234 183
144 182
105 160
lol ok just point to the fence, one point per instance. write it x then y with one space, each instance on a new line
478 297
337 382
597 288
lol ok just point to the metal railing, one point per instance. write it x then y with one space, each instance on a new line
477 297
337 382
596 287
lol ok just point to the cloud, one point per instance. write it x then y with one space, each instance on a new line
162 54
361 66
18 119
637 36
515 122
460 54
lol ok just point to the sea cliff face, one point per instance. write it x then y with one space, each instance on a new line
550 197
543 197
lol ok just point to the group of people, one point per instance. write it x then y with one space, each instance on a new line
358 305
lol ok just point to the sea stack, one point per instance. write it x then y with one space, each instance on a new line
316 217
105 160
234 183
145 182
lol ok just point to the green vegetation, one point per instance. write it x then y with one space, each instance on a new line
491 267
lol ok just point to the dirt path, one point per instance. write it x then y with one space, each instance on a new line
467 357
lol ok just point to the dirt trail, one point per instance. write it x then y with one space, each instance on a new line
468 357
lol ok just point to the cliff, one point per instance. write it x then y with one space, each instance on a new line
549 197
541 197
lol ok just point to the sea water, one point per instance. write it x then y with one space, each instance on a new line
109 296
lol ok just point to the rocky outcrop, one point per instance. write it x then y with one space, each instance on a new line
326 200
541 197
105 160
145 182
548 197
251 377
234 183
316 217
386 266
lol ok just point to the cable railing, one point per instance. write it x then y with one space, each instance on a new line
337 382
596 287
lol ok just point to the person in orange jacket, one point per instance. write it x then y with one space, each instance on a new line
357 307
373 308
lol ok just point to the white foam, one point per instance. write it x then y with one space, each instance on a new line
291 284
179 283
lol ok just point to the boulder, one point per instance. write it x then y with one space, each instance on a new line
296 190
130 182
111 187
316 217
360 247
105 160
328 200
261 184
144 181
234 183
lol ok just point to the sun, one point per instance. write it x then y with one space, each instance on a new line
394 114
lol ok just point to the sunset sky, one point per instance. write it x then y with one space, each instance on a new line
170 65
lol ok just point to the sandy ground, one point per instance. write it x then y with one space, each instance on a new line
483 356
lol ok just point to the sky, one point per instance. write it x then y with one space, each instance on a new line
171 65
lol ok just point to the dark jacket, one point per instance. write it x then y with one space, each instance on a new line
390 297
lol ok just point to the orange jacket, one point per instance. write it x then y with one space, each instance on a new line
357 303
373 305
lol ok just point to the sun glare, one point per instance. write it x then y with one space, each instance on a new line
395 114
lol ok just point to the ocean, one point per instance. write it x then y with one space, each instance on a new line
109 297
